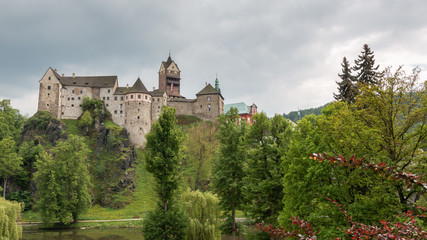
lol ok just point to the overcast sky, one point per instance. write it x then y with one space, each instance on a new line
280 55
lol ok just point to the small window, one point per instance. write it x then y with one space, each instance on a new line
158 99
139 96
122 98
131 96
48 94
47 104
72 105
158 107
115 111
72 98
200 106
81 91
121 111
72 91
107 104
48 87
115 98
126 98
108 90
74 82
68 98
108 98
62 113
145 97
87 83
80 105
79 98
49 78
209 98
140 103
138 109
140 128
138 117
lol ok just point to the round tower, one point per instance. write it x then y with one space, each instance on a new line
138 113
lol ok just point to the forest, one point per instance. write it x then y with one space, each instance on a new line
354 171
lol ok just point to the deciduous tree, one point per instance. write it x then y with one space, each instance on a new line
63 182
10 161
162 157
228 171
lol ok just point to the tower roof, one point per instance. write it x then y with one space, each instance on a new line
168 62
138 87
208 90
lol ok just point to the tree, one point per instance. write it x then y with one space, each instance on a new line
9 215
10 161
228 171
267 141
199 147
203 211
63 182
365 65
11 121
85 121
162 157
346 88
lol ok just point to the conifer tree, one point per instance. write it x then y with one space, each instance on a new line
346 88
162 160
365 67
228 171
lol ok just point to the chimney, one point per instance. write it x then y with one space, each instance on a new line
206 83
56 70
154 88
74 75
63 75
127 86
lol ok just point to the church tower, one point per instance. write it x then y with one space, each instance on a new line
169 78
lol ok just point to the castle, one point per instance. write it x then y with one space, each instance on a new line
134 108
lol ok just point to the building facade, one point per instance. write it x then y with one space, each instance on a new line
245 112
134 108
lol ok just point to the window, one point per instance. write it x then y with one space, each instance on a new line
140 103
72 98
138 109
121 111
48 94
81 91
108 90
122 98
107 104
145 97
115 111
68 98
79 98
72 105
138 117
115 98
47 104
131 96
49 78
158 99
200 106
139 96
158 107
209 98
108 98
126 98
48 87
72 91
62 113
209 107
103 98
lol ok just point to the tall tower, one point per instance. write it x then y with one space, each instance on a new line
138 113
50 93
169 78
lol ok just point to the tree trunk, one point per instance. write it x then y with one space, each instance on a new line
74 217
4 187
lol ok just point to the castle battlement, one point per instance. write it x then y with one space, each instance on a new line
134 108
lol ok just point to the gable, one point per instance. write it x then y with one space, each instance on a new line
173 67
50 76
162 68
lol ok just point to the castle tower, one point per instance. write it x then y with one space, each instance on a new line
138 113
169 78
50 93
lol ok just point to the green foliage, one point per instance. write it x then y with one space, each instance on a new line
94 106
199 147
72 126
295 116
346 89
267 140
39 121
63 181
365 65
184 120
162 156
9 214
10 161
11 121
163 225
204 214
21 197
85 120
228 172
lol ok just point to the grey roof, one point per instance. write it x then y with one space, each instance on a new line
208 90
121 91
89 81
157 93
138 87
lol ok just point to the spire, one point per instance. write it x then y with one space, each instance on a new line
217 84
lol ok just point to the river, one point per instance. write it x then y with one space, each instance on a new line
84 234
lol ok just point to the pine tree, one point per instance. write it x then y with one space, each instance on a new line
346 88
365 65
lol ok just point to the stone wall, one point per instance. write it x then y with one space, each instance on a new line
50 94
138 117
182 106
208 107
156 107
72 99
